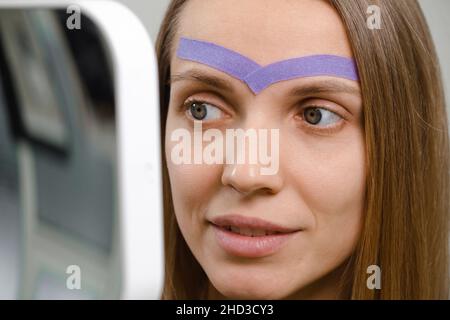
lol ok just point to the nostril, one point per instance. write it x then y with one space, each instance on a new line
246 179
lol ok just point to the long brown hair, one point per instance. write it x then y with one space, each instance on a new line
406 219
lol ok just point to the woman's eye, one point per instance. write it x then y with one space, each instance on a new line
320 117
203 111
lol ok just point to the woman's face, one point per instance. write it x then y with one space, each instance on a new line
315 198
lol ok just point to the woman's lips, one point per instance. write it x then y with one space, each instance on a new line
250 237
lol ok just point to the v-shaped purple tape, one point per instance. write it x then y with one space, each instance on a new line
259 77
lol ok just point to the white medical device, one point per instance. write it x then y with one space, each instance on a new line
90 194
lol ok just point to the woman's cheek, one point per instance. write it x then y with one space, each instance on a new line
333 190
192 185
329 173
336 188
330 177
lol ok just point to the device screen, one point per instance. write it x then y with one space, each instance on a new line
58 182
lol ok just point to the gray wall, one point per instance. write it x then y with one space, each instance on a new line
436 12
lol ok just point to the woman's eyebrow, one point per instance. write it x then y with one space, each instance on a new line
199 76
325 86
316 87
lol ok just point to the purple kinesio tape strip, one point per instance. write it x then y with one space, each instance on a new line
217 57
260 77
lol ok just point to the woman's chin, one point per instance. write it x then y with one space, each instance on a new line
238 293
246 294
248 290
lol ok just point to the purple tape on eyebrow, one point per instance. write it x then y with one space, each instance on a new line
217 57
260 77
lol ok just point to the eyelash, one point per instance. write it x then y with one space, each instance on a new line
327 130
188 103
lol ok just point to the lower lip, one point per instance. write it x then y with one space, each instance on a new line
250 247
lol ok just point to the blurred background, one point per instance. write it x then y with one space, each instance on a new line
57 149
57 158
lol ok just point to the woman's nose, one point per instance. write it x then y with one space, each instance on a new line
248 178
255 163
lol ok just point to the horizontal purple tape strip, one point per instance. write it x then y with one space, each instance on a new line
260 77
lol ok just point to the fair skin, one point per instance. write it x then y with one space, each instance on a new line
319 187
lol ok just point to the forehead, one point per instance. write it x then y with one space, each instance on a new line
266 30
